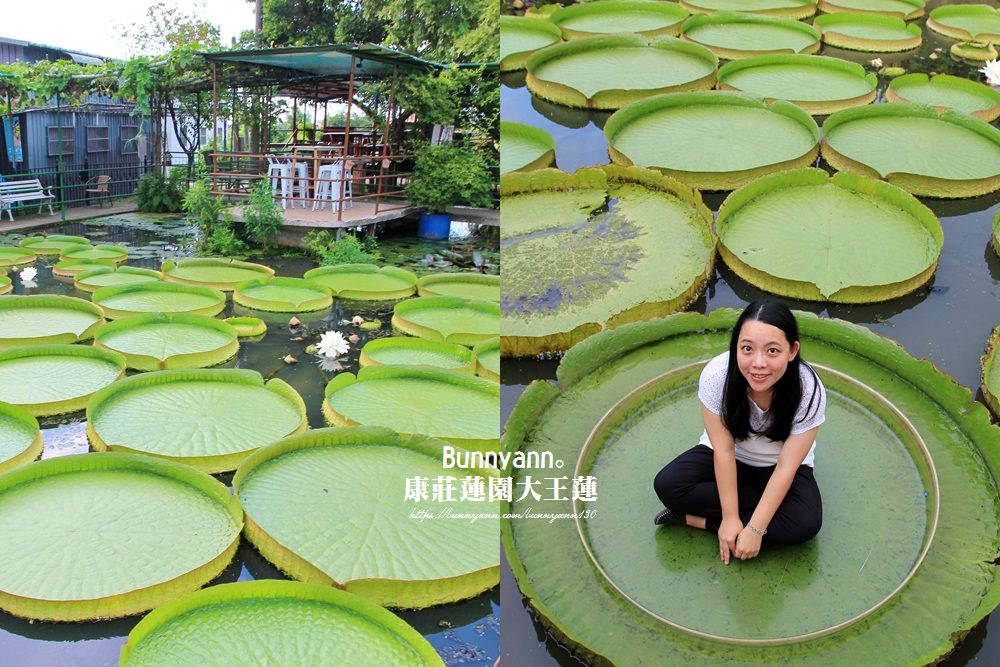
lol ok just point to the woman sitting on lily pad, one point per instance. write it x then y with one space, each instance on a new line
750 478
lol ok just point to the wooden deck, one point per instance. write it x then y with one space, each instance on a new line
361 214
24 220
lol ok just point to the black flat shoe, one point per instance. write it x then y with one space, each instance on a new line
668 517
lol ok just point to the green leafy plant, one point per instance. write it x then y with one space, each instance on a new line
262 218
215 223
162 194
448 175
330 251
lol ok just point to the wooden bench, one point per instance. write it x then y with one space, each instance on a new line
14 192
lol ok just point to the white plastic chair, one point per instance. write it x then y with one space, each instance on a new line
280 173
328 185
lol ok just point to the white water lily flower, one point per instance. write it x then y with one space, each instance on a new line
992 71
332 344
28 274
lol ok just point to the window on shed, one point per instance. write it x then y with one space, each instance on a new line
68 140
129 140
97 139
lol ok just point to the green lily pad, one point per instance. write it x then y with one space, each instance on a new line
155 341
713 140
124 300
11 256
818 84
524 148
488 359
55 379
946 92
789 9
283 295
450 405
402 351
754 623
40 319
20 437
522 36
807 235
292 490
448 318
990 369
94 279
859 31
275 622
217 273
53 244
114 253
904 9
596 249
365 281
466 285
209 419
649 19
108 535
733 35
610 71
926 153
247 327
970 23
6 285
70 268
974 51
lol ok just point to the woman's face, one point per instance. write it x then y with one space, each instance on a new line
762 354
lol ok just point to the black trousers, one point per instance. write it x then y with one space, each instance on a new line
687 485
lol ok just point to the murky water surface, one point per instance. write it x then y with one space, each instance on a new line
466 633
947 321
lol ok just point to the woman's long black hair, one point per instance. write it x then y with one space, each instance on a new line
787 390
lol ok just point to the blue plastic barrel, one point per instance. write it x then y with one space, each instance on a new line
434 226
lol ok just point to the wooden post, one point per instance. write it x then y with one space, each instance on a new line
295 131
347 138
386 135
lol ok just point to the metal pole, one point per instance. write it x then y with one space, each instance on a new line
390 114
215 128
347 137
59 160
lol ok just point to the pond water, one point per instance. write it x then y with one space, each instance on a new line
947 321
465 633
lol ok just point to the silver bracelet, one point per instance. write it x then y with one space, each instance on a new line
760 532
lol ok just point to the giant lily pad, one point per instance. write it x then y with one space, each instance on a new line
6 285
124 300
94 279
275 622
20 437
39 319
54 244
448 318
217 273
247 327
524 147
911 612
868 32
946 92
596 249
365 281
283 295
610 71
974 52
451 405
807 235
465 285
940 155
971 23
522 36
488 359
733 35
713 140
990 370
70 268
113 253
210 419
155 341
55 379
403 351
818 84
11 256
904 9
789 9
108 535
293 492
649 19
